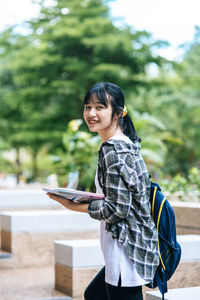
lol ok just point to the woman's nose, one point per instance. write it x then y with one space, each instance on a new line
92 111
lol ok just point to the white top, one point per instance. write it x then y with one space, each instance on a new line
116 260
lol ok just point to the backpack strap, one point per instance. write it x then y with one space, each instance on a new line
159 214
158 220
153 200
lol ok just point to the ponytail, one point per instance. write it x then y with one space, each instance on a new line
129 128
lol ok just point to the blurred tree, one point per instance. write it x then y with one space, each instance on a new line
175 103
44 75
149 115
187 101
73 45
20 124
11 115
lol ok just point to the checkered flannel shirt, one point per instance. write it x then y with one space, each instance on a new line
124 179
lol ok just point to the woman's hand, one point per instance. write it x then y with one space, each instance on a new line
69 204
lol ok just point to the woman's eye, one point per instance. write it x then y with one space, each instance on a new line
100 107
86 107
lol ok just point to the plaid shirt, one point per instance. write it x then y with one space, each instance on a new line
124 179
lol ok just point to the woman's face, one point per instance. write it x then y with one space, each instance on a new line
99 117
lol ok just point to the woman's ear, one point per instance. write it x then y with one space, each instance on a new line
117 116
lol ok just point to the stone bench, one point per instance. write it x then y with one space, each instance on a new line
30 235
190 245
192 293
187 217
26 199
188 271
77 262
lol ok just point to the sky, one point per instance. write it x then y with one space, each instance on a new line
170 20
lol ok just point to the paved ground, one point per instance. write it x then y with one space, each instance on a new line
29 283
38 283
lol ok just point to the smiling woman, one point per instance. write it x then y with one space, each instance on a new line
128 234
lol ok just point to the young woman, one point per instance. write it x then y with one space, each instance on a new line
128 234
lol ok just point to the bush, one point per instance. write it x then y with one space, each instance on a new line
186 189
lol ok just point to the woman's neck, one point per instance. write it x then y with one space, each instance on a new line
105 136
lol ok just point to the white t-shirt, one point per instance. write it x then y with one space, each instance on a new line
117 261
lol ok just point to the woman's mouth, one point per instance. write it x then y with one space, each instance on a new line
92 122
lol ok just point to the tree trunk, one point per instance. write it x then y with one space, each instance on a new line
34 165
18 165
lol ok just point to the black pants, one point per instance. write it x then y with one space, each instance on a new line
98 289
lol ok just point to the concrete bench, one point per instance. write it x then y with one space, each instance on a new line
23 199
77 262
190 245
192 293
188 272
187 217
30 235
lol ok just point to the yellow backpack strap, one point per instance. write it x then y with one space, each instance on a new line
159 214
153 201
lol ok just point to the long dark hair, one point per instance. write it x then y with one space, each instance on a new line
109 92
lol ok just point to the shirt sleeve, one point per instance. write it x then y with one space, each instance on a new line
118 196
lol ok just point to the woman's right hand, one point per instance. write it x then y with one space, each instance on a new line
69 204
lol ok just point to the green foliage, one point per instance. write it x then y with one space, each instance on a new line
185 189
152 125
177 109
194 177
153 149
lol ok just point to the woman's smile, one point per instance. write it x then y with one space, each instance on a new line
92 121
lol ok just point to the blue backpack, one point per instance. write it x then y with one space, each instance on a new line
168 247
